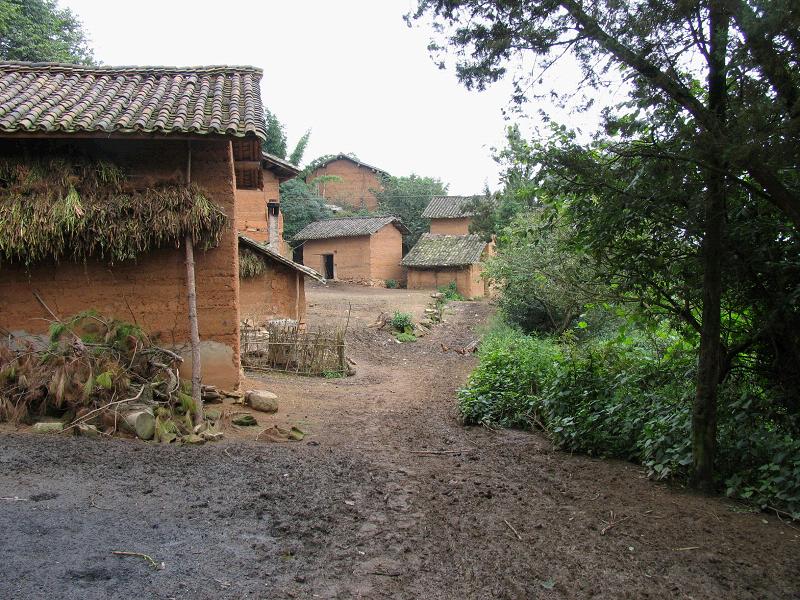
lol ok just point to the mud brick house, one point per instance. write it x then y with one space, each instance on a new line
356 185
271 286
363 250
104 173
438 260
450 215
258 179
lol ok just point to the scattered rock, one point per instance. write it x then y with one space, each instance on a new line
193 439
262 401
48 427
141 422
212 436
245 421
212 415
296 435
232 394
88 430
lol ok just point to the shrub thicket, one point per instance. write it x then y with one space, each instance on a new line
626 396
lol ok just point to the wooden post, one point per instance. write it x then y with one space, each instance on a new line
191 296
297 297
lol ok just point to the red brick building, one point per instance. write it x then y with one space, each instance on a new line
163 128
356 185
438 260
364 250
450 215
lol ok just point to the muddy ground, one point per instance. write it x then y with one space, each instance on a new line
387 497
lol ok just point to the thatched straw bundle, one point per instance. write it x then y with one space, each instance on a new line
55 209
251 264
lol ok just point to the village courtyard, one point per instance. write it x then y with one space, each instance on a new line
387 496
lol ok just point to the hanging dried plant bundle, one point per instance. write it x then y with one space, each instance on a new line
251 264
55 209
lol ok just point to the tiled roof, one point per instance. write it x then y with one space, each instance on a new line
282 168
445 251
347 227
270 253
54 97
355 161
449 207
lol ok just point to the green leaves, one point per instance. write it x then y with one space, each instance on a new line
39 31
407 197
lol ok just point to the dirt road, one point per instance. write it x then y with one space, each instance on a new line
388 497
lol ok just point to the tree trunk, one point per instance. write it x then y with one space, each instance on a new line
194 332
704 413
191 295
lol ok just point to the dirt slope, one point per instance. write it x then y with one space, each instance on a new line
358 511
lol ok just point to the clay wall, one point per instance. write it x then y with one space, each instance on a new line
355 188
278 293
386 252
251 211
451 226
151 290
350 257
468 280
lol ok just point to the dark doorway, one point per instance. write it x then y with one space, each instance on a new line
297 255
328 258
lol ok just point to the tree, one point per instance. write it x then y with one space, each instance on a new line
720 76
39 31
301 204
296 157
275 142
407 197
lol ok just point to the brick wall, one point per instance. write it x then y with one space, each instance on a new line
278 293
152 290
386 251
350 257
251 210
451 226
468 280
355 188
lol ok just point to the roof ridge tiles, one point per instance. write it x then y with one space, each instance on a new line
62 97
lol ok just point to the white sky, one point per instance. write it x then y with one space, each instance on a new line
350 70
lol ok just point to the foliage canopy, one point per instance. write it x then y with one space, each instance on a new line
40 31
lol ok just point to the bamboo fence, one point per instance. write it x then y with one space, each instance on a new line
285 347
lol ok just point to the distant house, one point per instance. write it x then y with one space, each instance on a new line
450 215
357 182
109 169
363 250
271 286
258 179
439 260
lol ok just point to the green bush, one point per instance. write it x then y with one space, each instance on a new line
627 396
405 337
392 284
450 292
402 322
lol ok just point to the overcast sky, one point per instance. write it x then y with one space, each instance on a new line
350 70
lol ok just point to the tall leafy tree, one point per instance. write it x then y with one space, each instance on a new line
407 197
40 31
714 87
301 204
296 157
275 142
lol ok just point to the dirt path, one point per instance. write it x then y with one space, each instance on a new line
358 511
